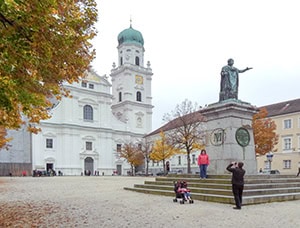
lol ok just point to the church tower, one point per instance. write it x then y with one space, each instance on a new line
131 83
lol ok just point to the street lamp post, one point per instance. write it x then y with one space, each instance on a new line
269 158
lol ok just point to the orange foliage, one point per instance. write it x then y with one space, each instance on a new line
132 155
3 139
264 129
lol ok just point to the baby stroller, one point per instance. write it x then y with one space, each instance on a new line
182 192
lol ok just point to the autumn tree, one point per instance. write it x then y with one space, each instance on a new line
187 128
3 138
264 128
43 43
145 148
131 153
162 150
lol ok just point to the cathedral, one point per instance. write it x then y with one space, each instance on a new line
87 130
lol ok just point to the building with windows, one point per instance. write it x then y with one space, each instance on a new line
286 154
87 129
17 159
285 157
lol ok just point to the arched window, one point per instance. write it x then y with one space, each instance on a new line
120 96
137 61
87 112
138 96
121 61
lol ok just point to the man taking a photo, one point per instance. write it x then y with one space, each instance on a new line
237 182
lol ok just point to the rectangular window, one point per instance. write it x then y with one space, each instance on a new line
287 124
286 164
88 113
287 144
179 160
83 84
49 143
139 146
120 96
88 145
119 147
91 86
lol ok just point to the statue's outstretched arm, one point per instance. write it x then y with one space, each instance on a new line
248 68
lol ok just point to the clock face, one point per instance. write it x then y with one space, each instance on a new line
139 79
242 136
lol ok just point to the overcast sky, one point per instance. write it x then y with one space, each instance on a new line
188 42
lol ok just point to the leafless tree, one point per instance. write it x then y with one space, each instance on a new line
186 128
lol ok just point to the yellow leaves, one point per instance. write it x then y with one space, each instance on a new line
198 146
3 139
132 154
33 129
10 3
10 119
162 149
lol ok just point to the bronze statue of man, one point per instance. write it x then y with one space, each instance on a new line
230 81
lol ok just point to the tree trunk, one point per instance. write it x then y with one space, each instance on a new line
164 166
188 162
147 167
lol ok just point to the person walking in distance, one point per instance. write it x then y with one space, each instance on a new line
237 181
203 162
298 170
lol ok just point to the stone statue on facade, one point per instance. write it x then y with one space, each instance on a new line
230 81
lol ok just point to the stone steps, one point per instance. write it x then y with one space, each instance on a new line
217 188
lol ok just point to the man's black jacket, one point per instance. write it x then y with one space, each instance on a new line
237 174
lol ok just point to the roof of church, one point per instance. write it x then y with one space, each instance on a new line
131 35
92 76
283 108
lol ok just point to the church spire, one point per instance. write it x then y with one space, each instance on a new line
130 22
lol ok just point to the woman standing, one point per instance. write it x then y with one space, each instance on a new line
203 162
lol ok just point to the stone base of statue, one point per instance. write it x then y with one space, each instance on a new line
230 135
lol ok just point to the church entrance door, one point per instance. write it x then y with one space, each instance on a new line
119 169
49 167
88 166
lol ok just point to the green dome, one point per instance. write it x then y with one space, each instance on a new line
130 35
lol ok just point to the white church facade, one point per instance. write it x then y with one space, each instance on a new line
87 129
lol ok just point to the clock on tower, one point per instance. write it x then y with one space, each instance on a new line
139 79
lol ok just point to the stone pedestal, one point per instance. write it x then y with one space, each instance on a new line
230 135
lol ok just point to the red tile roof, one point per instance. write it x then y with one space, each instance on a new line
283 108
178 122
